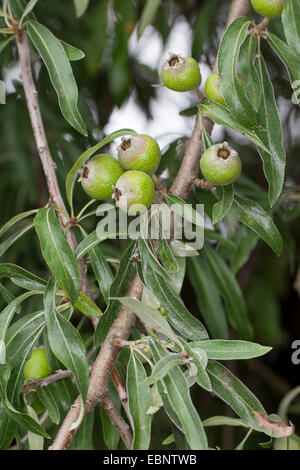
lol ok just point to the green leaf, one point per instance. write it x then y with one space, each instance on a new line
119 288
45 396
35 441
223 206
102 271
163 367
5 319
268 117
94 238
55 58
22 277
81 7
231 390
57 252
73 53
257 219
87 306
73 173
201 376
185 210
208 297
150 316
15 220
224 350
175 390
229 288
28 9
6 244
221 115
291 24
149 257
251 81
223 421
66 344
5 42
178 315
22 419
148 15
139 401
290 60
8 428
232 91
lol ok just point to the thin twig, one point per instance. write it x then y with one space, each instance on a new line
58 375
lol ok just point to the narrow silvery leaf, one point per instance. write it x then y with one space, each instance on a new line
223 350
200 362
268 117
185 210
15 220
231 390
55 58
148 15
22 277
223 206
6 244
232 91
73 53
87 306
45 396
66 343
178 315
163 367
175 394
35 442
291 24
251 81
81 7
139 401
102 271
257 219
57 252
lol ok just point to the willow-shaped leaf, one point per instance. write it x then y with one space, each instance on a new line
268 117
223 206
251 81
232 91
291 24
6 244
73 53
139 401
66 343
87 306
21 277
227 350
257 219
55 58
57 252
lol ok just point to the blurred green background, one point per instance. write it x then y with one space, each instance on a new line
114 81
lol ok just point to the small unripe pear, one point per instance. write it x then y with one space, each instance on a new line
268 8
181 73
139 152
37 367
221 164
213 88
99 175
134 192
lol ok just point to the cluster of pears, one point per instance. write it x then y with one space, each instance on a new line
127 180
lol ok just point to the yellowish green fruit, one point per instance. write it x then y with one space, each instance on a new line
134 192
181 74
213 88
99 175
37 366
268 8
221 164
139 152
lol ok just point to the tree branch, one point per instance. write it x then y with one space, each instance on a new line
122 326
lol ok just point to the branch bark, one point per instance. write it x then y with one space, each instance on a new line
122 326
